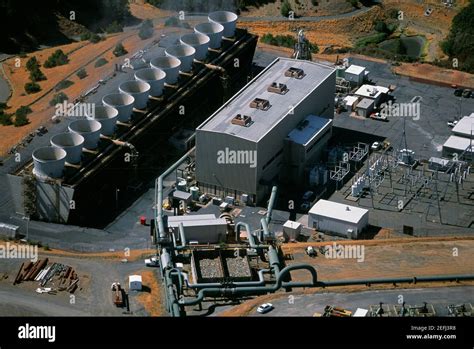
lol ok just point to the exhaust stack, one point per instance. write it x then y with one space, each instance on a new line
170 65
49 162
137 89
213 30
184 53
227 19
89 129
155 77
107 116
199 41
122 102
72 144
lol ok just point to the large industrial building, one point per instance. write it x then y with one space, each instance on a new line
270 130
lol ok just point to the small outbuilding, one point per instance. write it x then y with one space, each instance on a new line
135 282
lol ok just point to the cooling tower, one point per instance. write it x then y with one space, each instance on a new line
122 102
49 162
89 129
170 65
199 41
107 116
137 89
72 143
213 30
184 53
154 77
225 18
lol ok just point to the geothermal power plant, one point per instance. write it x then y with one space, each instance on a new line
196 72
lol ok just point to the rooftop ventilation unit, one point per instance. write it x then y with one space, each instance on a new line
277 87
260 103
296 73
241 120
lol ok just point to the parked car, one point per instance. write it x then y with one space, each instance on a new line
378 116
452 123
467 93
305 206
458 92
265 308
428 11
152 262
375 146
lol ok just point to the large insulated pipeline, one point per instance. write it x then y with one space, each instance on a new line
182 236
159 192
271 202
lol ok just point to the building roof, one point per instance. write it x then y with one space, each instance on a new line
355 69
264 121
135 278
291 224
365 103
350 100
338 211
458 143
465 127
371 91
314 126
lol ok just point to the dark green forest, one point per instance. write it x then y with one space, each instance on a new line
460 41
26 24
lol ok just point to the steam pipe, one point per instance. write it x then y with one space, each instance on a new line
159 191
271 202
181 234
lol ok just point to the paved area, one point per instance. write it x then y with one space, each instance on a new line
307 305
92 298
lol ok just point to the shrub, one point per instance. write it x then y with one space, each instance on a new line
100 62
32 87
114 27
37 75
58 99
63 85
86 36
5 119
3 106
172 22
81 74
146 30
21 116
95 38
119 50
285 9
56 59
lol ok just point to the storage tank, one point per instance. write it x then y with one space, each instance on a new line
170 65
225 18
213 30
182 185
137 89
107 116
122 102
49 162
155 77
194 193
199 41
72 143
340 71
89 129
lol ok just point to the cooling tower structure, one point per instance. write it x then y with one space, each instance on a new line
49 162
137 89
170 65
89 129
154 77
107 116
225 18
184 53
213 30
72 144
122 102
200 42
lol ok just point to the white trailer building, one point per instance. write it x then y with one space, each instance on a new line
203 229
464 127
338 219
355 74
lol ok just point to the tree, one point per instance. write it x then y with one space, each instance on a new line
21 116
81 74
146 30
32 87
37 75
57 58
285 8
119 50
5 119
95 38
114 27
58 99
32 64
